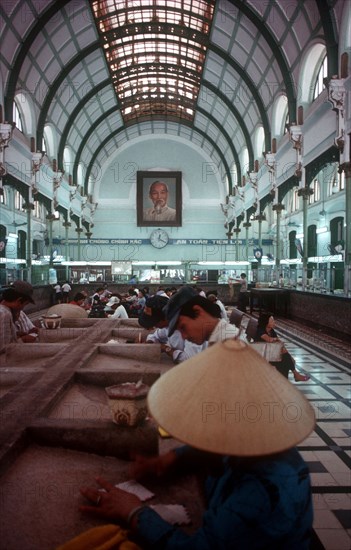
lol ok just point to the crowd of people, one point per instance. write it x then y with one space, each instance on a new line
257 485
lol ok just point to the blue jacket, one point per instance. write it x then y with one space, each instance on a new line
252 504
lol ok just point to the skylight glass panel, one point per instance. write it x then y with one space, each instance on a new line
155 50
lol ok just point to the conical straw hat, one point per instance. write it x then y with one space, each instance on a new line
229 400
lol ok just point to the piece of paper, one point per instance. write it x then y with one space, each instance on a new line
136 488
173 513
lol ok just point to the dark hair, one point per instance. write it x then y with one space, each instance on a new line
243 275
11 295
79 296
210 307
215 292
263 319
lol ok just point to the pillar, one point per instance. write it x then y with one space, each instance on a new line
29 207
237 231
79 231
346 167
305 193
278 208
66 225
247 225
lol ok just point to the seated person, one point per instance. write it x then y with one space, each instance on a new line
137 306
257 485
212 296
266 333
115 309
14 299
97 309
25 329
174 346
80 299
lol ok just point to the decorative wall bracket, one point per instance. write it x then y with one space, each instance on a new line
336 96
73 192
296 137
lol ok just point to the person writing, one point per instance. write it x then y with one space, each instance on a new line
160 211
176 347
257 484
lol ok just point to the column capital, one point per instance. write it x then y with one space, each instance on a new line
79 229
247 225
346 168
260 218
305 192
278 208
66 224
237 230
28 206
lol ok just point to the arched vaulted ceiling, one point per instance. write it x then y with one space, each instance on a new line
230 60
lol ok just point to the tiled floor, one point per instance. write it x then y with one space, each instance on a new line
327 450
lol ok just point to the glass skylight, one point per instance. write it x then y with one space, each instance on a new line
156 51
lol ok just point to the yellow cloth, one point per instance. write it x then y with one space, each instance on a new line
106 537
163 433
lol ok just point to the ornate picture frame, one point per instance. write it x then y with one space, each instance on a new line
159 199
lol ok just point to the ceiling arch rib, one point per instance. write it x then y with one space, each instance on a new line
24 45
244 78
256 12
93 128
263 31
185 123
330 31
74 114
56 85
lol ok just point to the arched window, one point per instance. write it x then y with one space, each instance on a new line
292 245
322 74
17 117
50 139
24 113
280 116
18 201
296 200
312 241
67 160
259 142
311 66
337 231
3 196
245 161
21 244
315 186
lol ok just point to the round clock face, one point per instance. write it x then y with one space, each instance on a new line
159 238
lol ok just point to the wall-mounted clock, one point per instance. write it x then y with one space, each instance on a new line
159 238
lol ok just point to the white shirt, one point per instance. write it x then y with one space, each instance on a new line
66 287
224 331
224 314
182 349
119 313
23 323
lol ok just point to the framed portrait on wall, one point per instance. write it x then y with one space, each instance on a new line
159 199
